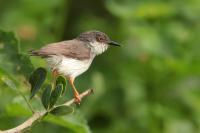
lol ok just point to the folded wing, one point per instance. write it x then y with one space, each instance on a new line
71 49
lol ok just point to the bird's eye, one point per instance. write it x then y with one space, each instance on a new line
100 39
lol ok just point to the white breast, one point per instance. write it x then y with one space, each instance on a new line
98 48
68 66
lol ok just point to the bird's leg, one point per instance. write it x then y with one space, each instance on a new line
76 94
54 74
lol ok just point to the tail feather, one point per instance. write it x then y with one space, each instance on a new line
37 53
33 53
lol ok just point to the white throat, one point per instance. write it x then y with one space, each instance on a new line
98 48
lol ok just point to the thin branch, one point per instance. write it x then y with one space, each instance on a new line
27 101
85 93
39 115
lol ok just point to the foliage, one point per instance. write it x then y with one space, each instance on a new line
150 84
9 44
46 96
61 80
61 110
18 107
55 94
49 97
36 80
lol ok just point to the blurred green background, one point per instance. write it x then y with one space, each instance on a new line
149 85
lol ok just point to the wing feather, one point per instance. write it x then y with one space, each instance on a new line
72 49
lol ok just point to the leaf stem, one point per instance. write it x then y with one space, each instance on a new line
27 101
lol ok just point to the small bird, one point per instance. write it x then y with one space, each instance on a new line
73 57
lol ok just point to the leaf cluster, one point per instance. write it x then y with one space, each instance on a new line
50 95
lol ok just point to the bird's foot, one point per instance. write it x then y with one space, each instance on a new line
77 98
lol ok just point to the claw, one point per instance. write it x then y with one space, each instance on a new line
77 98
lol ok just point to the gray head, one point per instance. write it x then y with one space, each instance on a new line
97 41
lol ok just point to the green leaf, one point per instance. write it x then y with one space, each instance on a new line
9 82
16 62
46 96
75 122
62 110
25 65
61 80
55 95
36 80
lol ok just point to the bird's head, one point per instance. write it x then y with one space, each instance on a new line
97 41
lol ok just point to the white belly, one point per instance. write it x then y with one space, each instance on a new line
68 66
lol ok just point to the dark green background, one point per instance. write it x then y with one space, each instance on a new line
149 85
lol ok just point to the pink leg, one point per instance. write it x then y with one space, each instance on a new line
76 94
54 74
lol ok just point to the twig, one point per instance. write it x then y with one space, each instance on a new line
27 101
39 115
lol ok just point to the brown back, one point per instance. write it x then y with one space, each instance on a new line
72 49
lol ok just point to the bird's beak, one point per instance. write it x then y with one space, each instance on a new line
114 43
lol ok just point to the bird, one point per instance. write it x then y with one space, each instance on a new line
71 58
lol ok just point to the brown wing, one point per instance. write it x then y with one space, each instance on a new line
72 48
